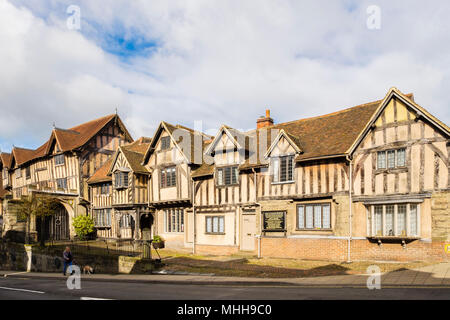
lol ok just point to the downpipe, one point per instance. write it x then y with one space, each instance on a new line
260 215
350 211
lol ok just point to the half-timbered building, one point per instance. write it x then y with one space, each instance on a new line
60 168
170 159
368 182
119 193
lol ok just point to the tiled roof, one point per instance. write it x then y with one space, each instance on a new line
68 139
323 136
101 175
133 152
5 158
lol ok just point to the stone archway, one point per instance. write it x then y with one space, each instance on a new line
56 226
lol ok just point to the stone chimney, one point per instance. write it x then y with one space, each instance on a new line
266 121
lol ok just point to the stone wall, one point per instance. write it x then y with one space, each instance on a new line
440 216
31 258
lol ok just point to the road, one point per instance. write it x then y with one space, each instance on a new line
12 288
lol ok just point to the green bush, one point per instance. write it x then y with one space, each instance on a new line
157 239
83 226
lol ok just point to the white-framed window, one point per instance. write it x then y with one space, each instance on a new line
102 217
389 159
215 224
59 159
283 169
5 173
174 220
314 216
18 173
121 179
394 220
227 176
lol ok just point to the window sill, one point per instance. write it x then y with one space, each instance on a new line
391 170
59 165
283 182
215 233
315 230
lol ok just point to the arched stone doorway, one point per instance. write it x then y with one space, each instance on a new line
56 226
146 223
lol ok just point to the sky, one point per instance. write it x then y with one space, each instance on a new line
214 62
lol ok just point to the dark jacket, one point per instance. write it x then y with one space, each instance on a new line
67 256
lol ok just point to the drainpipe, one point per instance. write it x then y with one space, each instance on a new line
260 214
350 211
193 213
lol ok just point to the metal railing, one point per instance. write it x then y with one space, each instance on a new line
131 248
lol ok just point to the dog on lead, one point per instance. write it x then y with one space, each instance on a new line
87 269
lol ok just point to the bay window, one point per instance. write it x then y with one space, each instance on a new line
393 220
120 180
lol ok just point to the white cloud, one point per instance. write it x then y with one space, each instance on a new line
220 62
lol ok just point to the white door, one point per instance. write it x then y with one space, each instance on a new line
248 232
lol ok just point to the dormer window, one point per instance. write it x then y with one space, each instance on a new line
121 180
59 159
282 169
227 176
165 143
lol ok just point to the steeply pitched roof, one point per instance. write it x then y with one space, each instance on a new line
172 129
67 139
133 152
22 155
5 158
329 135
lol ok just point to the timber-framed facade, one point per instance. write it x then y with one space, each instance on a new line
371 182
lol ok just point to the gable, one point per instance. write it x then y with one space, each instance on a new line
120 163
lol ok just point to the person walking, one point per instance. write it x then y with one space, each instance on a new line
68 258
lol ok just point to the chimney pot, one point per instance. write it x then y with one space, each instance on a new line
266 121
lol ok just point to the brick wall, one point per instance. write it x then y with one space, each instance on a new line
336 250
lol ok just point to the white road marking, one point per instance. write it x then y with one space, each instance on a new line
10 274
90 298
24 290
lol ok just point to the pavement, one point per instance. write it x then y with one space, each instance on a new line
436 276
